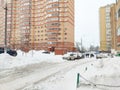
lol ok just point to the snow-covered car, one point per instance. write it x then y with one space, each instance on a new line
73 56
101 55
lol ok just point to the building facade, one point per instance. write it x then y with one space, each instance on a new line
118 25
5 35
52 24
41 24
2 26
108 27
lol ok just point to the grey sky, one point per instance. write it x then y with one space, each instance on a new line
87 20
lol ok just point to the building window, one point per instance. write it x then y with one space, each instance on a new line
59 33
118 44
118 13
65 33
118 32
59 38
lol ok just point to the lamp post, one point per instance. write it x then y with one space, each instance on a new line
5 41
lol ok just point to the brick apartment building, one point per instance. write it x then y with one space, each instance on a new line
39 24
110 27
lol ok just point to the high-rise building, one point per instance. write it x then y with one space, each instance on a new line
41 24
52 24
113 26
118 25
108 27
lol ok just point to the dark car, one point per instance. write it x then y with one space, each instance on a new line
9 51
46 52
1 50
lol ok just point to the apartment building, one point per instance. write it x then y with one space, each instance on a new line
40 24
118 25
108 27
52 24
113 26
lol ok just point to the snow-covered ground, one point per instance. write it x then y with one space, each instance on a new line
23 59
99 75
38 71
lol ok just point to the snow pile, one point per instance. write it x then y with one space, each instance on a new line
22 59
60 81
102 73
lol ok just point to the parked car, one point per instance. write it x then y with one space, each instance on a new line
98 56
1 50
46 52
9 51
73 56
118 54
101 55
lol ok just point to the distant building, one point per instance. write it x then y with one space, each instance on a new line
39 24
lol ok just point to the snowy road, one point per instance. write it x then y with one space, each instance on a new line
21 77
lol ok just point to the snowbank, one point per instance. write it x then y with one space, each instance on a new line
104 73
22 59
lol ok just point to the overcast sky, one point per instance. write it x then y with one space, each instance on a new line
87 20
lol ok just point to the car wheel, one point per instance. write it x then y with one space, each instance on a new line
68 58
72 58
14 55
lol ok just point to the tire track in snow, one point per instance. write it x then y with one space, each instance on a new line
61 71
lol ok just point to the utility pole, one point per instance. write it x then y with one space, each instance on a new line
81 46
116 1
5 47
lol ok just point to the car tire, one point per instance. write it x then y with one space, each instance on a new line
72 58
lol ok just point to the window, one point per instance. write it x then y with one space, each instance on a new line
118 13
54 29
65 38
118 31
59 38
108 8
118 44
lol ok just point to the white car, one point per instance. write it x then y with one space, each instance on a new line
72 56
101 55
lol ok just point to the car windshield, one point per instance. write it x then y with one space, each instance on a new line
72 54
8 49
